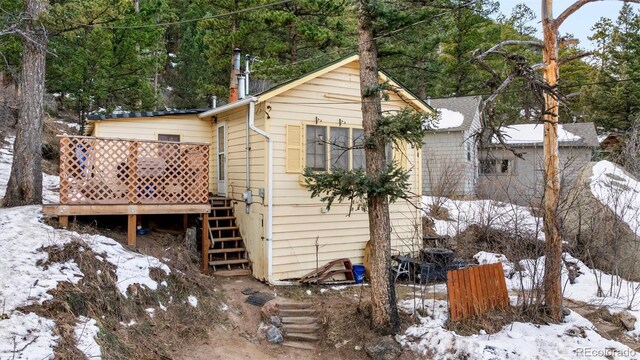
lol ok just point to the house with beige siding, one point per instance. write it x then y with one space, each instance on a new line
263 219
449 149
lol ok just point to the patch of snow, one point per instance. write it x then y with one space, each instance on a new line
131 323
22 240
591 286
602 138
448 119
531 134
50 183
517 340
69 124
495 214
150 312
224 307
193 301
164 283
131 268
86 332
27 336
339 287
618 191
162 307
323 290
172 55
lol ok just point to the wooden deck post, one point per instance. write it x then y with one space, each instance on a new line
131 231
205 242
185 221
63 221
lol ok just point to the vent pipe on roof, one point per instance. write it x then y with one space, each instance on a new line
247 71
242 93
235 71
214 101
429 100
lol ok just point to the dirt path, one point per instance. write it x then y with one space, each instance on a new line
240 338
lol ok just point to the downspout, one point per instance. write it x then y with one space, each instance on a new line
269 239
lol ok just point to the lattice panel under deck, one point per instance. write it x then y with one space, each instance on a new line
114 171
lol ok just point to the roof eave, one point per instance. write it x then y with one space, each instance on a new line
227 107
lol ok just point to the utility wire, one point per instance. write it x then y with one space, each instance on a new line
450 97
142 26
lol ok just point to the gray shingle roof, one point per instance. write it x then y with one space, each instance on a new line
466 105
586 131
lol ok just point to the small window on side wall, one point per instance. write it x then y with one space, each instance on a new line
487 166
169 137
316 154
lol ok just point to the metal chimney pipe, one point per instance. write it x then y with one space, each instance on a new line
236 59
241 87
247 71
214 101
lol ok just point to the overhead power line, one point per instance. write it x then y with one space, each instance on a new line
184 21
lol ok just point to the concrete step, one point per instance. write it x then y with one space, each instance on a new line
299 345
293 305
307 337
299 320
297 312
301 328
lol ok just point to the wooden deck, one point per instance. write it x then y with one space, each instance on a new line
100 176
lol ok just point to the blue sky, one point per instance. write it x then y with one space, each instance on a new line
579 24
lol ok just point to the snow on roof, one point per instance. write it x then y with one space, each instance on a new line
613 187
448 119
531 134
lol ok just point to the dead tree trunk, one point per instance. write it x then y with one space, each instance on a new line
25 181
553 240
384 315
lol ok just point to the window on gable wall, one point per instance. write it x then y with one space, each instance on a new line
339 143
316 158
358 151
330 147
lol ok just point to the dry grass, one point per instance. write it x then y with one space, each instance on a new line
97 296
494 321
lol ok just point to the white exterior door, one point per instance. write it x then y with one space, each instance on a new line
221 149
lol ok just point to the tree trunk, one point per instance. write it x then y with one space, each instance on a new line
25 181
553 240
384 315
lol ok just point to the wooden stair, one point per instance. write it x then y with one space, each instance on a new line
300 325
227 254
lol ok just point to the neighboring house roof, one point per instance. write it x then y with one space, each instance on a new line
456 113
402 92
576 135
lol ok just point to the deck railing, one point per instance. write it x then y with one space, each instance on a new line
115 171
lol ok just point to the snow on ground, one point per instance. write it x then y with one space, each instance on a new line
496 214
514 341
23 282
531 134
616 293
193 301
71 125
448 119
618 191
86 332
27 336
50 183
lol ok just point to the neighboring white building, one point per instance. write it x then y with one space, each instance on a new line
506 177
450 151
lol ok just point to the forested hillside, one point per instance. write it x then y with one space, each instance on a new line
105 55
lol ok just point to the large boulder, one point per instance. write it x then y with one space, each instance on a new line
601 218
383 348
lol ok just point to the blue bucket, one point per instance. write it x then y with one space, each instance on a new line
358 273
